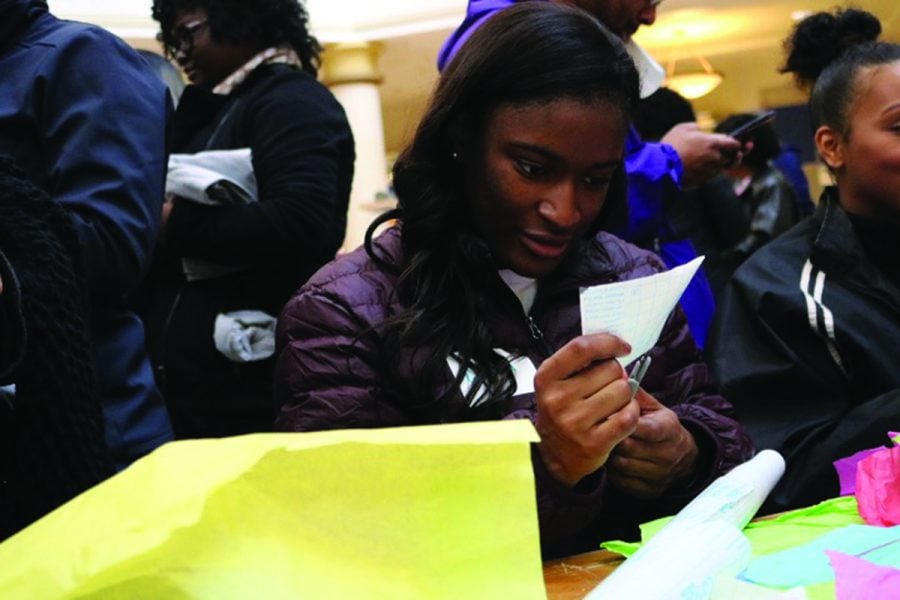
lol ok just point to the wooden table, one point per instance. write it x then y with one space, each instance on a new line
573 577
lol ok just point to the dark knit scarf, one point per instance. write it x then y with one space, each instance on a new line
14 18
52 445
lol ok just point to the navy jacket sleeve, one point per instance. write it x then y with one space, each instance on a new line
106 155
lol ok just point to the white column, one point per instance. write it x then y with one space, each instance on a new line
350 71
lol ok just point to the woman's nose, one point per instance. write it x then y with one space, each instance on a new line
560 205
180 56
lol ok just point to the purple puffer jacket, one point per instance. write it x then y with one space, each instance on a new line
326 375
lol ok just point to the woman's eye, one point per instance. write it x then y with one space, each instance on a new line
529 169
598 181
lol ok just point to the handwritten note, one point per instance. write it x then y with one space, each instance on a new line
635 310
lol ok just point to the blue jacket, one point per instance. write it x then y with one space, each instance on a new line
654 176
83 115
654 179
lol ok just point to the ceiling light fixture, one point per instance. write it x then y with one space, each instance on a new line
693 84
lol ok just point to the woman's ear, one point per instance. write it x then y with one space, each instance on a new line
830 145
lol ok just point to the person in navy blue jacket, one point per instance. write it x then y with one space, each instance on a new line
85 118
656 171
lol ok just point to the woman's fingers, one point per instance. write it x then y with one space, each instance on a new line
579 354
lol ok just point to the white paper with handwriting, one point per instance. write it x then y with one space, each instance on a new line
635 310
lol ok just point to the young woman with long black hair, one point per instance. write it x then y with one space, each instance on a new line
514 171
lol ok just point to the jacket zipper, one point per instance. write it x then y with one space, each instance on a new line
538 336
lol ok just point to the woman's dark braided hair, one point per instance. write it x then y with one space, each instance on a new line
827 51
269 22
531 53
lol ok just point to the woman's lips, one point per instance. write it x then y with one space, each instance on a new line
545 246
190 72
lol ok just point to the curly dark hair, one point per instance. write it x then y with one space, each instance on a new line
819 39
270 22
827 51
532 53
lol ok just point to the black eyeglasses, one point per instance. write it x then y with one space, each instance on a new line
183 35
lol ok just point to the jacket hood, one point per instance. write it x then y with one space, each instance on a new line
477 13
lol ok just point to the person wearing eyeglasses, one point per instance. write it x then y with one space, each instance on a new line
223 272
85 118
684 157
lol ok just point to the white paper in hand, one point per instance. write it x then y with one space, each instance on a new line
635 310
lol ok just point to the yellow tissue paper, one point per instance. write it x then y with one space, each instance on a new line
420 512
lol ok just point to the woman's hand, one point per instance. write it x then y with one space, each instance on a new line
584 406
703 155
659 452
164 219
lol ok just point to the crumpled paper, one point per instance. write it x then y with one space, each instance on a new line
420 512
773 534
858 579
846 467
878 487
807 564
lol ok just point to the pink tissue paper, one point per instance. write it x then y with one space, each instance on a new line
858 579
878 487
846 469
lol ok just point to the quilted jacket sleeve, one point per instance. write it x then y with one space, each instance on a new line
326 379
325 374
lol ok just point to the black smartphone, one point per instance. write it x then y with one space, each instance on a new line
742 132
